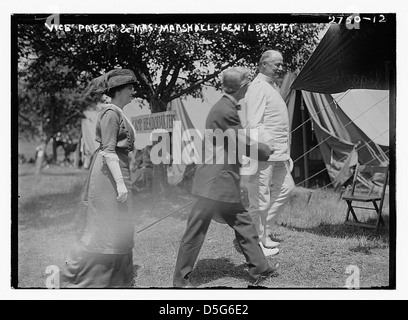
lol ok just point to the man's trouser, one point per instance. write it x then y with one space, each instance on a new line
199 220
268 191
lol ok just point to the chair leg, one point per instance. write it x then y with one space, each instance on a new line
350 209
353 213
379 218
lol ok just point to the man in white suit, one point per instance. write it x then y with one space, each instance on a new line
271 184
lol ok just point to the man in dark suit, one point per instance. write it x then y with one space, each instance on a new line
217 187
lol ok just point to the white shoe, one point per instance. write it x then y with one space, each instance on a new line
270 243
268 252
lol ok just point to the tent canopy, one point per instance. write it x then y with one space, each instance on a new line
341 140
369 110
350 59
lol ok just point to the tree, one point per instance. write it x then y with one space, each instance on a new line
50 102
169 60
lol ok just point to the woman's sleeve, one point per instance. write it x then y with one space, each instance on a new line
109 132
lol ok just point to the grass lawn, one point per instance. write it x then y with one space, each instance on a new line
316 252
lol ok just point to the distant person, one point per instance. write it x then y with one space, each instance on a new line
271 184
217 188
103 257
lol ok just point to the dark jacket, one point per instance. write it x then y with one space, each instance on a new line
220 181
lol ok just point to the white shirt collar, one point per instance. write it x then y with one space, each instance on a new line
267 79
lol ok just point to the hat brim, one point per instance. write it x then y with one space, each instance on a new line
121 82
111 80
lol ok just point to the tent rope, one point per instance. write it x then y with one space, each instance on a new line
166 216
324 108
317 173
351 121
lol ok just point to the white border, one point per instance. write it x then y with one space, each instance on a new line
208 6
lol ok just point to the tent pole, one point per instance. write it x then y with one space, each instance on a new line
305 160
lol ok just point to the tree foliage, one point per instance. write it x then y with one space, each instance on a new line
168 63
55 64
50 99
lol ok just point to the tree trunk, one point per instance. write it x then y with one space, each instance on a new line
77 154
54 151
40 156
157 105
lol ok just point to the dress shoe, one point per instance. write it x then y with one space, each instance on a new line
271 272
268 252
269 243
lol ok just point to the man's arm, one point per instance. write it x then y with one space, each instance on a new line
255 100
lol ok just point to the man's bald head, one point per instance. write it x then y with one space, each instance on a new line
271 63
270 55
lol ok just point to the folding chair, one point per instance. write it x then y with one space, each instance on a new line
357 196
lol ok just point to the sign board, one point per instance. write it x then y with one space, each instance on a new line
149 122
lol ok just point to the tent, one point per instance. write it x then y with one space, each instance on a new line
348 68
350 59
176 171
329 134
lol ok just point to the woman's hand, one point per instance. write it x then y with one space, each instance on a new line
122 191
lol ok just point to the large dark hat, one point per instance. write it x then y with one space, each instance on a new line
111 79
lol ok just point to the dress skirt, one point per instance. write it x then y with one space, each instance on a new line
103 256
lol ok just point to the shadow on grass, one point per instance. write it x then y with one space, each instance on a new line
50 209
68 174
45 173
349 231
51 170
209 270
62 208
363 249
23 174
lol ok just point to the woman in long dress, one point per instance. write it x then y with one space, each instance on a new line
103 256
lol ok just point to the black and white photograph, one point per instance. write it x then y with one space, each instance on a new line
201 153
